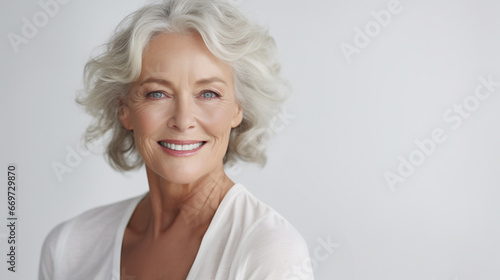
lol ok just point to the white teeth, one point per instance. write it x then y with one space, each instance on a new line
181 147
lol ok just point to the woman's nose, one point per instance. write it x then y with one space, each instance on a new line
182 116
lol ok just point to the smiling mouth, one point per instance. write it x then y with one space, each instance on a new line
177 147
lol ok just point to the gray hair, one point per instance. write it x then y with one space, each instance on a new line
227 33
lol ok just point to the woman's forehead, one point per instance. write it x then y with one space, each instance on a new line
174 55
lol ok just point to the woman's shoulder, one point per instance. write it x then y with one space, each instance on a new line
100 217
257 215
268 244
253 225
93 222
72 241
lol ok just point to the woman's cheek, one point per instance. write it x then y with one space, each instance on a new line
217 118
149 118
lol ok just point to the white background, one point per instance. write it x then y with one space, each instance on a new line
351 122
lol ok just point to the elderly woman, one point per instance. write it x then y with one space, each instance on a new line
182 88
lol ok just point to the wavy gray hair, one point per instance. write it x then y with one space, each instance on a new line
227 33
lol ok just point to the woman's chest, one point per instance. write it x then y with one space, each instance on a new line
166 258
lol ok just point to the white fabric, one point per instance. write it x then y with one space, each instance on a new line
245 240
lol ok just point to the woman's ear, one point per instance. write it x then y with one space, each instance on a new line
124 114
237 118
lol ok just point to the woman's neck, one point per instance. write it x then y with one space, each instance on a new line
170 206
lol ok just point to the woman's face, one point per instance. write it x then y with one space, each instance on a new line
181 108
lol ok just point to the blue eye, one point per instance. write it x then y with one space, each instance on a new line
156 94
209 95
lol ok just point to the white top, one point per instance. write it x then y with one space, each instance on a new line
246 239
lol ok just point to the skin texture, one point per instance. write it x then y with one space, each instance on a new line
183 93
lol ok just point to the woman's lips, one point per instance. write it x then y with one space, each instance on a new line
181 148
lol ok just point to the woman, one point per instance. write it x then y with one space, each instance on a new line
183 87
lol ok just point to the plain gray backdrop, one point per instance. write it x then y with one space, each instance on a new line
387 148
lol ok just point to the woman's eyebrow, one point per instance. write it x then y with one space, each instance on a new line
157 81
210 80
169 84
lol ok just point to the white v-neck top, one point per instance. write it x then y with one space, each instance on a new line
246 239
